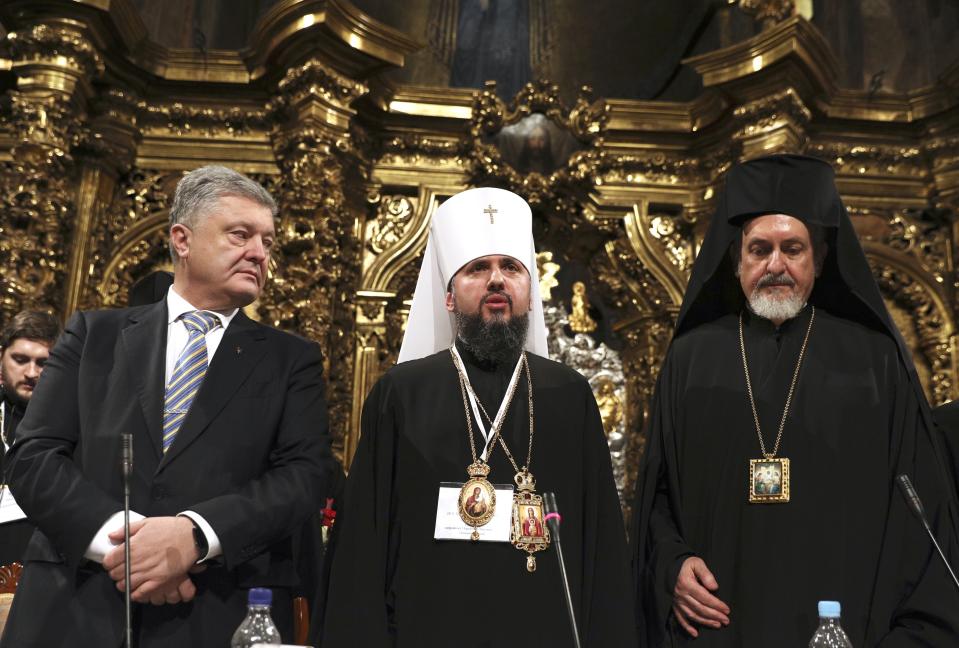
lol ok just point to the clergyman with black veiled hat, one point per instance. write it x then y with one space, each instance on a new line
444 508
786 406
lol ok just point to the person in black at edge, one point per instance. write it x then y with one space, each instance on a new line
781 285
947 420
24 348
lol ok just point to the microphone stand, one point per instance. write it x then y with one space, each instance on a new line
912 499
552 521
127 459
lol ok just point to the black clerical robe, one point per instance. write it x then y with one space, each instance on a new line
14 536
845 534
12 415
946 418
393 584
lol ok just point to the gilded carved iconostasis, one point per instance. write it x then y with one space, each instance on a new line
615 120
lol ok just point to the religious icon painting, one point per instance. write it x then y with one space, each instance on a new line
476 502
529 532
769 480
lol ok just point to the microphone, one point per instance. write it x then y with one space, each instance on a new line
553 520
127 470
912 499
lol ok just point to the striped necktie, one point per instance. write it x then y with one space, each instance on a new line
187 374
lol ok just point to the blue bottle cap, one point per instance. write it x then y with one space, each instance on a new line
260 596
829 609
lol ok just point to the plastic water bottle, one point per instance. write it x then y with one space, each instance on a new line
830 634
257 627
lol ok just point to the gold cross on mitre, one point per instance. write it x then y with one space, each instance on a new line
489 210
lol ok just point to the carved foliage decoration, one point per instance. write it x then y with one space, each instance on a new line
871 159
645 344
111 135
396 236
658 168
415 150
626 281
927 242
37 194
778 120
131 240
318 253
317 258
314 81
394 270
930 325
664 244
35 204
45 41
181 119
389 226
769 12
36 201
603 368
586 120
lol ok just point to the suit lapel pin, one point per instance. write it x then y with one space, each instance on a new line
239 350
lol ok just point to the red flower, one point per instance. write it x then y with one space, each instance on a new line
329 515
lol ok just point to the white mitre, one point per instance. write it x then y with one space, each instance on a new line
471 224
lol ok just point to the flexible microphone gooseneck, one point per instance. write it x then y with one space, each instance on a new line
912 499
553 520
127 462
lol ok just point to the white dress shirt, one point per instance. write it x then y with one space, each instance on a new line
177 339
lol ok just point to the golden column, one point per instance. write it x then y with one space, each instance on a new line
54 62
317 264
106 154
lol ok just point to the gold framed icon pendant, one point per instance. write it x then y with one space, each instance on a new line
769 480
529 532
477 503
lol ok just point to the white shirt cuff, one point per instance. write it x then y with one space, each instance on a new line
101 544
212 540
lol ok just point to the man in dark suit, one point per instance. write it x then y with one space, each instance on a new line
231 448
25 344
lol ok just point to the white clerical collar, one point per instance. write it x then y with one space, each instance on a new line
176 306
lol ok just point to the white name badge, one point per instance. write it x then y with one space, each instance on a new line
10 511
450 526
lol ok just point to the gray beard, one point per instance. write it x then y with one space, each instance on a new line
497 340
774 309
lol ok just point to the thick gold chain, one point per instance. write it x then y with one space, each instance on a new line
789 396
495 435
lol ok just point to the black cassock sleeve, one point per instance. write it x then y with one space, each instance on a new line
657 544
358 609
915 602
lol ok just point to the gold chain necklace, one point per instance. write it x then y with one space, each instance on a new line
494 429
502 442
477 500
528 533
769 476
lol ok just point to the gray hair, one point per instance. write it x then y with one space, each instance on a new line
199 191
